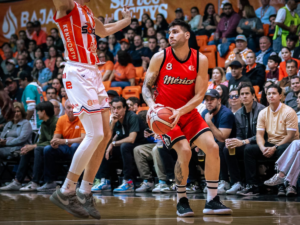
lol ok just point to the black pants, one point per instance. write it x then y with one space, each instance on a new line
252 154
37 154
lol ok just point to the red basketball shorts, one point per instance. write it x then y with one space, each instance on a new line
190 126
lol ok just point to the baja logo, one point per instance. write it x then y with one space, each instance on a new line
169 66
10 24
69 85
88 29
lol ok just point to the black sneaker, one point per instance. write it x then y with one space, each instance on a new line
281 190
183 208
249 191
216 207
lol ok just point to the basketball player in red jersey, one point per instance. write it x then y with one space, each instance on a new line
83 83
180 76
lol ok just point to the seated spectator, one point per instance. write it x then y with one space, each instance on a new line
265 51
296 52
149 52
273 63
113 45
39 54
280 135
106 66
179 15
130 37
16 133
224 93
265 11
21 46
58 43
57 84
210 21
32 96
148 24
234 101
133 104
8 54
254 71
11 68
196 19
29 29
251 27
291 41
68 135
5 46
221 122
272 25
51 94
263 99
238 54
39 35
136 27
50 62
30 62
58 64
161 23
103 46
160 35
245 120
14 91
163 44
145 16
42 74
291 98
13 42
125 45
56 106
226 29
46 114
64 96
47 45
237 76
130 133
22 64
136 55
292 70
151 32
218 77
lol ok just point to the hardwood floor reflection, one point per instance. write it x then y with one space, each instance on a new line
158 209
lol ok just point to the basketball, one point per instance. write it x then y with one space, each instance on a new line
159 121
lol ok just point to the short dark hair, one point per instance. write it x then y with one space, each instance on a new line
275 58
124 58
295 77
47 106
286 48
120 99
234 89
23 74
6 43
134 100
245 85
33 41
49 36
184 25
292 61
134 20
130 29
22 31
292 37
227 4
153 37
273 15
54 28
276 87
29 22
49 88
196 8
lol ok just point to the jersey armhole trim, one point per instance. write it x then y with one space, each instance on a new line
198 53
163 62
66 16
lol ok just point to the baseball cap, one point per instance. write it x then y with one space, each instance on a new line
179 10
102 40
241 37
236 64
113 93
11 61
124 40
212 93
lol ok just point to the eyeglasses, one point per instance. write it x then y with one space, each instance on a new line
234 96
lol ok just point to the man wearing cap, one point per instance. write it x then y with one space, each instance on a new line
125 44
103 46
11 68
237 76
226 29
238 54
179 14
8 54
39 35
221 121
14 92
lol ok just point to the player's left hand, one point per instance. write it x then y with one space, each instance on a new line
126 13
176 116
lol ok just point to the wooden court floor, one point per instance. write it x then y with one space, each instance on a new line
123 209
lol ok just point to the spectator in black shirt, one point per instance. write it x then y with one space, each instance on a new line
58 43
130 37
139 51
135 26
47 45
149 52
11 68
14 91
103 46
23 36
237 76
22 62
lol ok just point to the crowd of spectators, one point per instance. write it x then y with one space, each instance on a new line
252 105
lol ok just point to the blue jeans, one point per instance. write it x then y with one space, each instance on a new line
224 46
277 45
63 152
121 84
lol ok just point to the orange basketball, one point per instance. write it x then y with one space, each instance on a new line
159 121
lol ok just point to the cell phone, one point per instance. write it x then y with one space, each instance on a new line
149 131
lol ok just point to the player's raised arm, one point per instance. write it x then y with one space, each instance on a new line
104 31
63 5
151 77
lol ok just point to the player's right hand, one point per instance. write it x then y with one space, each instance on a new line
126 13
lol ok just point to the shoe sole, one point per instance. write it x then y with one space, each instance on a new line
189 214
62 206
156 191
48 190
144 191
217 211
28 190
249 194
99 191
168 191
129 191
272 185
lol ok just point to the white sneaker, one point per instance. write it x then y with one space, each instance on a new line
31 186
223 186
13 186
234 189
145 186
104 185
159 186
47 187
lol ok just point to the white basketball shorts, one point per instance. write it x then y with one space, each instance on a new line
84 87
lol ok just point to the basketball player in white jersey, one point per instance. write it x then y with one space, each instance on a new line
83 83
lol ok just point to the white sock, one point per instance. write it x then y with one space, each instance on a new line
85 187
212 189
68 187
181 192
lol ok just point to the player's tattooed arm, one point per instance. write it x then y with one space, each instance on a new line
178 173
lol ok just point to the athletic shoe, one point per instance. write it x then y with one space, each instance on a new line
234 189
216 207
103 185
223 187
97 181
281 190
158 187
250 190
31 186
193 188
13 186
169 189
88 203
205 190
145 187
291 191
127 186
69 203
47 187
183 208
275 180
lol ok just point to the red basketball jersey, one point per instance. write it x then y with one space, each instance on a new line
175 84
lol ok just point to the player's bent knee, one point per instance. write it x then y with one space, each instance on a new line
185 154
213 149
